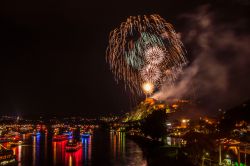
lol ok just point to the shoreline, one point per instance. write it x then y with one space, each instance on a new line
157 154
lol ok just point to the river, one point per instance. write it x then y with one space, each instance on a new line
101 148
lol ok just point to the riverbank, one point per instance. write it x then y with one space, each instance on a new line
158 154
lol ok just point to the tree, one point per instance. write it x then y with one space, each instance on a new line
197 145
154 125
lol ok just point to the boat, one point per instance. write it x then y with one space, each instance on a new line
6 156
16 143
15 138
69 134
4 139
86 135
73 146
26 130
12 136
57 138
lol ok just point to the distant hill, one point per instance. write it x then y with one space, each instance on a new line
238 113
175 108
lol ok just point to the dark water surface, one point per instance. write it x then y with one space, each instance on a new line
102 148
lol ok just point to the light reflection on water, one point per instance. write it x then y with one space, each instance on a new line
87 149
74 158
36 149
125 152
59 153
99 149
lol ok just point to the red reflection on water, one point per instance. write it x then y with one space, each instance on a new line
74 158
60 156
18 152
90 147
58 151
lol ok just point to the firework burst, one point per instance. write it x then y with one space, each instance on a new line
150 73
142 49
154 55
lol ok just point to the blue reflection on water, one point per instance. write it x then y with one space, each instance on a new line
87 145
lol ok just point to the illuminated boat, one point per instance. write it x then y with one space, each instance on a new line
73 146
86 135
15 138
7 157
58 138
69 134
4 139
11 136
16 143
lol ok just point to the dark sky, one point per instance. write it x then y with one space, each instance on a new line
52 53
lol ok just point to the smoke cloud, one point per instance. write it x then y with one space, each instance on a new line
218 73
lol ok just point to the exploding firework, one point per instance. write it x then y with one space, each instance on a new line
142 49
147 87
154 55
150 73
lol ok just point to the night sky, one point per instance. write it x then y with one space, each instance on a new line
52 53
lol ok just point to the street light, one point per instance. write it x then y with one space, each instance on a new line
205 157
